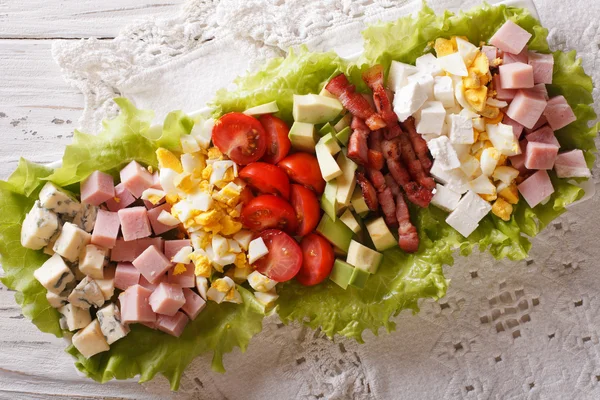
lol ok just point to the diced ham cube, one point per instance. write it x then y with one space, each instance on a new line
526 108
144 282
152 263
135 305
490 52
541 122
151 325
540 155
536 188
522 57
173 246
185 280
122 199
541 89
543 66
172 325
559 113
157 226
517 127
97 188
517 75
571 165
106 229
503 94
193 303
518 161
167 299
543 135
510 38
136 178
126 275
123 251
134 223
142 244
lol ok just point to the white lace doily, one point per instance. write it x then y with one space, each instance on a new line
505 330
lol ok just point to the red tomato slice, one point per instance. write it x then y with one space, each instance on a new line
241 137
268 211
246 195
318 259
267 178
284 259
278 142
308 209
303 168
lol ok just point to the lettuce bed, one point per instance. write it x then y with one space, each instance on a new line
401 280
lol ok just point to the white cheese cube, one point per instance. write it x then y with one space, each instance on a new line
327 164
489 159
54 274
189 144
152 195
428 136
482 185
256 250
192 163
469 114
503 139
39 227
425 80
467 50
75 317
92 261
350 221
71 241
166 218
398 74
470 166
86 294
260 283
442 151
58 201
266 298
505 174
453 64
56 300
220 245
445 198
430 118
443 91
470 210
202 132
183 255
461 129
462 223
479 124
408 100
462 150
107 287
112 327
90 340
429 63
202 286
243 237
455 179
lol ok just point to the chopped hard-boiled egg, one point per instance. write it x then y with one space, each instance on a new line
166 218
256 250
489 160
266 298
260 283
183 255
243 237
154 196
503 139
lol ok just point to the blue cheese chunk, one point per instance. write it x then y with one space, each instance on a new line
56 300
38 228
75 317
86 294
71 241
90 340
58 201
92 261
107 287
86 217
54 274
111 325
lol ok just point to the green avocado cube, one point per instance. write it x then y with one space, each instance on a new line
336 232
326 129
343 136
341 273
359 278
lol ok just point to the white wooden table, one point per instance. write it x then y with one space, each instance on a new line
37 108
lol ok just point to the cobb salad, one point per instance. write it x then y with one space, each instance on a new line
325 191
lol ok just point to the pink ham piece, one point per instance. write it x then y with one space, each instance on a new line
490 52
167 299
517 127
106 229
126 275
142 244
121 199
135 306
536 188
136 178
193 303
526 108
123 251
144 282
522 57
173 246
559 113
152 263
185 280
540 155
503 94
518 161
571 165
543 66
541 89
543 135
157 226
510 38
541 122
174 325
517 75
97 188
134 223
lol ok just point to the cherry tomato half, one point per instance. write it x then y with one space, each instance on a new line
268 211
303 168
246 195
278 142
284 259
308 209
241 137
317 260
267 178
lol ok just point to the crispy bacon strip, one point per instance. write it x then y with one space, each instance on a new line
368 191
414 165
408 237
375 159
373 77
375 140
358 148
393 131
376 178
390 149
415 193
392 184
385 197
418 143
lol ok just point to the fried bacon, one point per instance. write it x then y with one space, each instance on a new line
385 197
415 193
392 184
373 77
368 191
375 159
414 165
375 140
358 148
408 237
419 144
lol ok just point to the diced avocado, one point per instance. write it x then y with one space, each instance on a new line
350 221
336 232
327 128
339 252
268 108
315 109
346 181
359 278
328 202
302 136
380 234
329 167
358 203
343 136
363 257
343 123
327 93
331 143
341 273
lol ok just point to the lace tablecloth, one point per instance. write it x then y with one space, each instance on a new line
505 330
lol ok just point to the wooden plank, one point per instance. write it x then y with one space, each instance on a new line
76 19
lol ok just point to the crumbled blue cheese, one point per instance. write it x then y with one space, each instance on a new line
71 241
54 274
75 317
38 228
111 325
58 201
107 287
90 340
92 261
56 300
86 217
86 294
